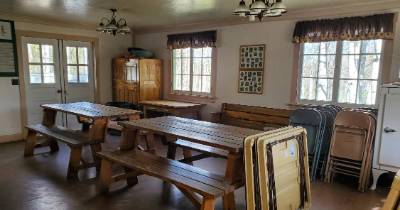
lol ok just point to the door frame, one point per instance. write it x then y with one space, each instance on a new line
21 73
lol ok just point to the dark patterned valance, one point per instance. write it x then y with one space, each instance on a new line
349 28
194 40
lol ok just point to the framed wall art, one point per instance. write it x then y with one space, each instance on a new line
251 69
8 49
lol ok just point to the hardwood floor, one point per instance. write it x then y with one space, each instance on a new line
39 183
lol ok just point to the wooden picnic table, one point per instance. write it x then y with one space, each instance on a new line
175 108
226 137
92 134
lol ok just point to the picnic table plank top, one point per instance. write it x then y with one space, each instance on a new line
90 110
212 134
170 104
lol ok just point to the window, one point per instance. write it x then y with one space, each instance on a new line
41 64
192 71
345 72
77 64
131 71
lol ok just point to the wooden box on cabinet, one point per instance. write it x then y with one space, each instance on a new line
136 80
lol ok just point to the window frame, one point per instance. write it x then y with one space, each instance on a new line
192 95
41 64
78 65
336 76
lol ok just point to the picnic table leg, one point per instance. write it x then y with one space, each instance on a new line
30 143
208 203
74 163
233 174
150 143
128 139
49 119
105 177
187 154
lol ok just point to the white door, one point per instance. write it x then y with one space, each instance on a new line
42 75
78 75
57 71
390 143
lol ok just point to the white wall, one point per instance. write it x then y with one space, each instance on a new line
109 47
276 35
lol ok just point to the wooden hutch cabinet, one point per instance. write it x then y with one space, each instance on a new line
136 80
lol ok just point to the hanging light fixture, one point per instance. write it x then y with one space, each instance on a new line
112 26
260 9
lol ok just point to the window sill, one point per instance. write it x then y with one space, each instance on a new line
191 98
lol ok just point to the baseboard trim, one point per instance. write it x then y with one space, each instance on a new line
11 138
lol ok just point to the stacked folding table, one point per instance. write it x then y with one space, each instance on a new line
277 173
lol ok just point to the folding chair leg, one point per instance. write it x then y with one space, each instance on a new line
30 143
74 163
105 179
208 203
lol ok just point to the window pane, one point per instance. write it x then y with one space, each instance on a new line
206 66
186 66
196 66
311 48
83 55
351 47
72 74
197 52
47 54
35 74
177 66
207 52
186 52
185 82
308 89
71 55
347 91
328 48
372 46
83 74
369 66
177 53
366 92
48 74
196 84
326 66
177 82
324 89
33 53
310 66
349 68
206 84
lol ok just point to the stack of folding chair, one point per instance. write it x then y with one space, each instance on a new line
277 173
318 122
351 146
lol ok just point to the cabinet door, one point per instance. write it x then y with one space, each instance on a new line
389 154
150 79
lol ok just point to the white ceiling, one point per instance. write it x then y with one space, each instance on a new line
145 14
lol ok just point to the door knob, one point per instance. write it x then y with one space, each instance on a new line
389 130
59 91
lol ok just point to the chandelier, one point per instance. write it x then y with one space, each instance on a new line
260 9
112 26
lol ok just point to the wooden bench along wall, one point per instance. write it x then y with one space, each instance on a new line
255 117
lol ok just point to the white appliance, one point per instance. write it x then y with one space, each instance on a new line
387 141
